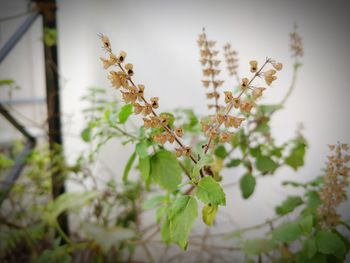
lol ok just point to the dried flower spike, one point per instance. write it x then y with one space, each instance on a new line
336 182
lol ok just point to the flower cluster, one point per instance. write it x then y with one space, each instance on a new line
335 184
212 127
296 44
210 64
134 94
231 60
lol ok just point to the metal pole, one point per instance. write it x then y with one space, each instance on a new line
14 39
48 10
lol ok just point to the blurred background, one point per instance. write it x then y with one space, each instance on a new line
160 39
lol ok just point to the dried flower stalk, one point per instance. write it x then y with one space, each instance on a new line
335 184
212 129
131 93
296 45
231 59
210 63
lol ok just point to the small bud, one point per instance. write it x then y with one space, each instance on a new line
105 42
140 91
147 123
137 108
205 126
178 152
228 96
122 56
147 109
278 66
225 137
220 118
236 103
129 69
253 66
179 132
244 83
160 138
188 151
154 102
246 107
257 92
164 120
213 134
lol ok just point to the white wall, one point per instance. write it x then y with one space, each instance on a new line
160 39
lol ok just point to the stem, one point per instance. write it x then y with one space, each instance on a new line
292 85
166 127
63 235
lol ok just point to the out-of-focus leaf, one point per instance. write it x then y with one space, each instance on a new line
287 232
209 213
329 243
67 201
289 205
258 246
296 155
128 166
105 237
265 164
221 152
247 185
124 113
153 202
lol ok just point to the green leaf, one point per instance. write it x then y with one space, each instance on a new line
233 163
141 149
247 184
205 160
313 202
6 82
67 201
287 232
317 258
210 192
267 109
107 237
306 224
329 243
296 155
309 247
209 212
124 113
86 134
289 205
265 164
128 167
220 152
145 169
5 162
165 231
50 36
258 246
153 202
183 214
165 170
